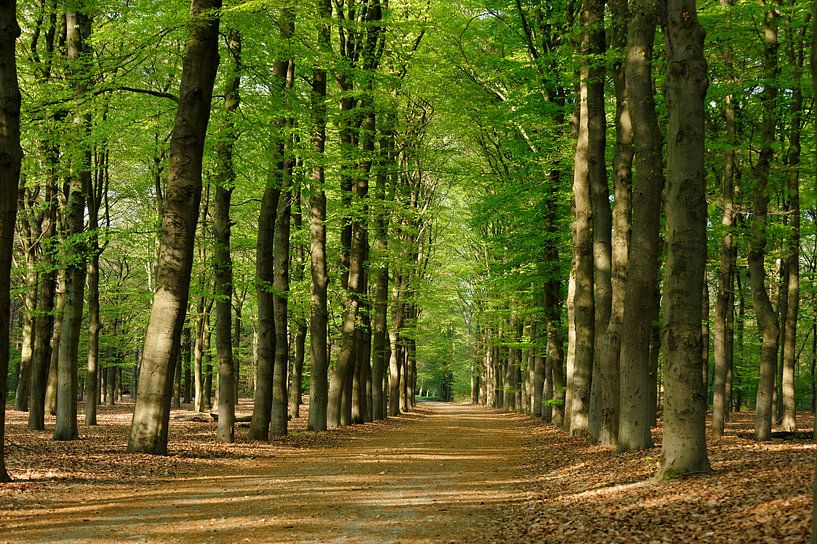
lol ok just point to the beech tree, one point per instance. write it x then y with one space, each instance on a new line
160 353
11 155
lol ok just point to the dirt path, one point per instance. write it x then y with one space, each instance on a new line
445 477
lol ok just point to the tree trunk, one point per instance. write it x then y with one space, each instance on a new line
589 166
724 327
223 262
183 196
29 241
318 388
766 316
11 154
705 340
51 381
44 321
795 53
645 248
622 171
280 413
684 445
78 28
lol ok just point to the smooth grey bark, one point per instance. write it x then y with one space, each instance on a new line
175 258
684 443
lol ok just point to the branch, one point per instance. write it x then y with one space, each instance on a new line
158 94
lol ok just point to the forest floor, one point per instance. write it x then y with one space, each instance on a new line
445 473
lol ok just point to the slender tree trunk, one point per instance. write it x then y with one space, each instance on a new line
51 381
724 327
684 445
642 277
705 340
44 321
223 262
795 53
588 167
78 28
11 154
622 170
766 316
183 196
318 388
30 243
280 413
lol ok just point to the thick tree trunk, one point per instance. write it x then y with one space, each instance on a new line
183 195
10 157
766 316
642 278
684 445
223 262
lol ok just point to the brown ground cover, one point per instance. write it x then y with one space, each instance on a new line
446 473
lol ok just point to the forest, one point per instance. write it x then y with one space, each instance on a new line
233 233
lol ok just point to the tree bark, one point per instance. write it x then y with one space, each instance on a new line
796 57
11 155
183 195
78 28
223 262
724 326
588 167
766 316
642 278
622 224
318 318
44 321
684 444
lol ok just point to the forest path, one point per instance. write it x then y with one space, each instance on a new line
445 476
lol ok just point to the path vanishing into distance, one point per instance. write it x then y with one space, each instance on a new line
446 476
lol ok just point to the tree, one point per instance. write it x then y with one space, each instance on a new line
589 172
645 248
11 155
183 195
684 446
78 29
223 262
318 393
